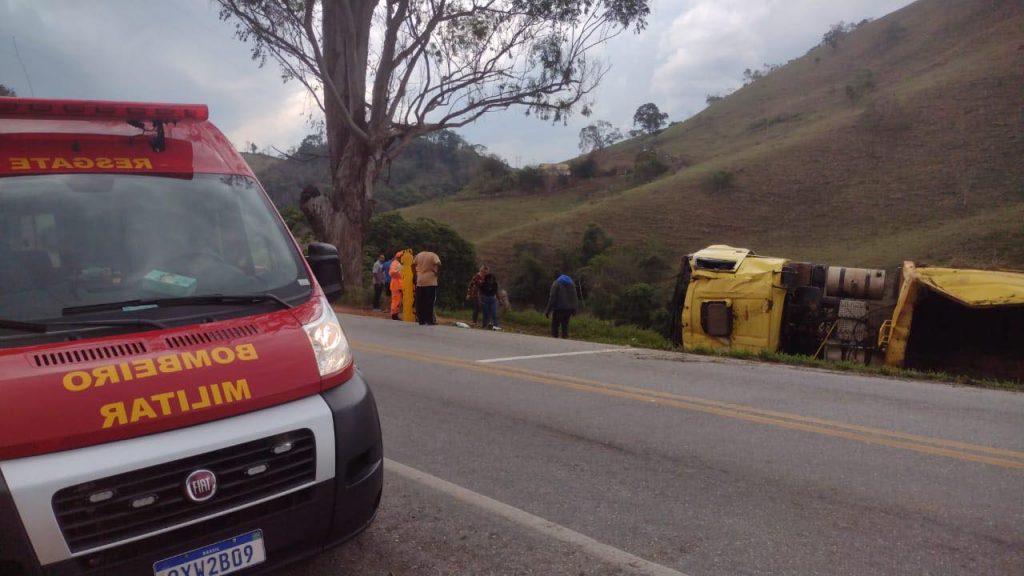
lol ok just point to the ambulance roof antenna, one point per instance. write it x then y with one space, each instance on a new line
158 142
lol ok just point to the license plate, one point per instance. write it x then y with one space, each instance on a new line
224 557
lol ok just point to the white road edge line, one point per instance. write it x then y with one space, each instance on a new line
580 353
619 558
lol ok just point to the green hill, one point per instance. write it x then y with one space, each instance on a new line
905 141
434 166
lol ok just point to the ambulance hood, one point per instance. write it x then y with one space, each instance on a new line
58 397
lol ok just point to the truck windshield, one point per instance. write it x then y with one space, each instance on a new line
72 241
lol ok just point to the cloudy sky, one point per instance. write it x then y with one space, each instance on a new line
179 51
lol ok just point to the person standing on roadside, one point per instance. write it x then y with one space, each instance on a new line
489 301
378 281
473 292
426 266
395 272
562 304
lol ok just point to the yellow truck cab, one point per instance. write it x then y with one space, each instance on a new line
734 300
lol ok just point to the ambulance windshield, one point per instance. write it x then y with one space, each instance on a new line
74 240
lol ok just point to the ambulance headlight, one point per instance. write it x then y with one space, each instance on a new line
330 346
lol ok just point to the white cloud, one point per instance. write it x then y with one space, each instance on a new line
711 42
180 51
282 125
704 51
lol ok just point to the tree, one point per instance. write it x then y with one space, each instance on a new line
387 72
598 135
5 91
751 76
491 176
648 119
312 145
836 32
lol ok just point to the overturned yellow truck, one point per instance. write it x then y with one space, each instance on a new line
940 319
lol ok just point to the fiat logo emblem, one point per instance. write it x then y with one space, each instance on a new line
201 485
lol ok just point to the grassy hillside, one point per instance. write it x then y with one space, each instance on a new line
906 141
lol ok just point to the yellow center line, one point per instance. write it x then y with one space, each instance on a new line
927 445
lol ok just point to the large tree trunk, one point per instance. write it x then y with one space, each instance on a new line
342 215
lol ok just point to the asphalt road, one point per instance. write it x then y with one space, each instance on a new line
619 461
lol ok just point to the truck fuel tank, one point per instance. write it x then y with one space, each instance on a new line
862 283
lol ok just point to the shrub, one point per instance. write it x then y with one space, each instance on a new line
722 180
894 34
389 232
298 225
530 277
595 243
863 83
766 123
586 168
647 166
612 273
635 304
530 179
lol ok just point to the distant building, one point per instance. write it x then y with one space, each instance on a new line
554 169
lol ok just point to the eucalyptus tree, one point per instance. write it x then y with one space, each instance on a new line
385 72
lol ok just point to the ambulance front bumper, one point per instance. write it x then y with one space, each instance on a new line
337 504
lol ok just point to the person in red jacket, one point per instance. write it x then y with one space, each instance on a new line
473 292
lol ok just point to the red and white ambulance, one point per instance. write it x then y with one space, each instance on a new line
176 395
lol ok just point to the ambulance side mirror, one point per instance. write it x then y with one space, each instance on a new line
323 259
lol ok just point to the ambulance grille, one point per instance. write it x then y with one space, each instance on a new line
200 338
108 510
89 354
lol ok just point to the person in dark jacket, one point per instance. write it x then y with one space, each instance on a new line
562 304
489 301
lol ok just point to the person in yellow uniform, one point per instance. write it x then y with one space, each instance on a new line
396 285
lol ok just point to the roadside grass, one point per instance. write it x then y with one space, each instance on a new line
581 327
590 329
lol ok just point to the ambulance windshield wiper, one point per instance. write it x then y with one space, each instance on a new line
44 327
205 300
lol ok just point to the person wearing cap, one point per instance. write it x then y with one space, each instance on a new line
562 304
396 285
